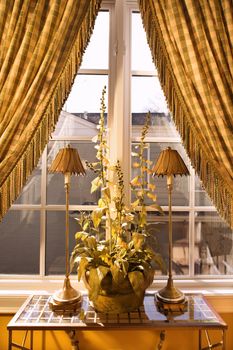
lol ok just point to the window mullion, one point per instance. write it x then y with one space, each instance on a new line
191 222
119 116
43 212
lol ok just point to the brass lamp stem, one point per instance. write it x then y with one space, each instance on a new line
67 190
169 186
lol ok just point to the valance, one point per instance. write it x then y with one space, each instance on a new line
41 47
191 44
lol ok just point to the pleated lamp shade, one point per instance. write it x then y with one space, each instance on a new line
170 163
67 160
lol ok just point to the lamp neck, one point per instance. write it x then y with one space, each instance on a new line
170 182
67 179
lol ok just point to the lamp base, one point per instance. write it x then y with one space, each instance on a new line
66 299
170 294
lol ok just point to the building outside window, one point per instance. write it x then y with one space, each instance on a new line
32 236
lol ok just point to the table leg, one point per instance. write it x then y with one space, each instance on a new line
161 340
31 340
10 340
24 339
224 339
221 343
199 340
74 340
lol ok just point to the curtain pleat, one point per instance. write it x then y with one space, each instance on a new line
41 47
191 44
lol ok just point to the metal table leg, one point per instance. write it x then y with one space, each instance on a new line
74 340
10 340
221 344
161 340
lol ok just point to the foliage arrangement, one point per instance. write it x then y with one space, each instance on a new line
123 262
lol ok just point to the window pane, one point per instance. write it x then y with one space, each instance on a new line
213 245
147 95
141 55
162 125
20 242
180 193
80 185
86 93
96 55
31 193
180 246
79 125
201 197
55 240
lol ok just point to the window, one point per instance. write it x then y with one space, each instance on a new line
32 233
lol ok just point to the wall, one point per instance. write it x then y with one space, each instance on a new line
124 340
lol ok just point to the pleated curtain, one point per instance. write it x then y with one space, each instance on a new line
192 46
41 47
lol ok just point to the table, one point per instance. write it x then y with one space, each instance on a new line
35 314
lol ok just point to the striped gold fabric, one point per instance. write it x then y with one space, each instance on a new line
192 46
41 47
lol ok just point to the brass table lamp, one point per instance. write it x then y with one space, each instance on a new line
67 162
170 164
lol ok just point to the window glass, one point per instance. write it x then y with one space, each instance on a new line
180 245
180 192
147 95
20 242
213 245
55 240
80 185
85 95
201 197
78 125
162 125
31 193
96 55
141 55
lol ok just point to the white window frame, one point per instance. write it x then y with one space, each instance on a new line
120 130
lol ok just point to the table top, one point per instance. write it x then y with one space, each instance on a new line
36 314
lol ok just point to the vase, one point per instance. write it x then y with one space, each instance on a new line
117 299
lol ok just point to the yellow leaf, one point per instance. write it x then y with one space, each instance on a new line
101 203
136 165
151 186
94 139
142 218
151 196
135 204
135 181
138 240
137 281
106 193
97 216
157 207
82 267
134 154
139 193
95 184
91 242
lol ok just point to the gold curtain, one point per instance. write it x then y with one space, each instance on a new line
41 47
191 44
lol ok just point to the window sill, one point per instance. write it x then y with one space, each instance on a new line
13 292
